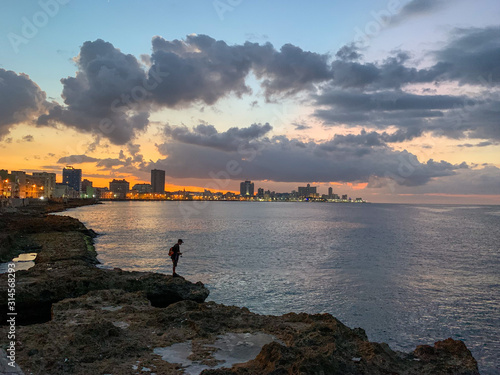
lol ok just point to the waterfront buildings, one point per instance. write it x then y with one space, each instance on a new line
158 181
88 190
142 188
119 188
247 189
308 192
47 181
73 178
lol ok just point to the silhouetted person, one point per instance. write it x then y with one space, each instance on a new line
177 253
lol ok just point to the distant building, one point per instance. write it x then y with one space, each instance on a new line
158 181
19 180
64 191
119 188
102 192
307 191
73 178
7 186
246 189
143 188
330 192
344 197
260 193
88 190
48 181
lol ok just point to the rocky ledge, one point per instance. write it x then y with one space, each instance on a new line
75 318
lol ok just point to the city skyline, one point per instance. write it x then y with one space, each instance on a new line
395 101
44 185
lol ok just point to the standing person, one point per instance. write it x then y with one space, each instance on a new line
176 254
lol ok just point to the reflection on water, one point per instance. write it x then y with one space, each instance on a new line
22 262
407 274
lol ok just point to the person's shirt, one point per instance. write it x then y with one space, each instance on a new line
176 249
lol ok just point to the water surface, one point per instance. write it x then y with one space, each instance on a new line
407 274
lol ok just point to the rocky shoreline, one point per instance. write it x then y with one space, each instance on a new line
76 318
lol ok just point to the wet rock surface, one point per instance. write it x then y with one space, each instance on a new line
75 318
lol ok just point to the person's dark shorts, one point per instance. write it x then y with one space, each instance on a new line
175 259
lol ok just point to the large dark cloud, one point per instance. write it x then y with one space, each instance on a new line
21 100
203 69
108 96
346 158
472 57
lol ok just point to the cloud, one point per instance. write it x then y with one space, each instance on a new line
76 159
28 138
202 69
112 94
416 8
208 136
300 126
109 163
467 181
471 57
376 94
345 158
480 144
22 100
107 97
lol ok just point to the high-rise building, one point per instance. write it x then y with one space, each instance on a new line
307 191
73 178
330 192
260 192
246 189
119 188
158 181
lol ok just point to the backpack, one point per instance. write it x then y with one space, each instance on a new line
171 252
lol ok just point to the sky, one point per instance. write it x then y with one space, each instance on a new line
388 100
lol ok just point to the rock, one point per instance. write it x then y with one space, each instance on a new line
111 331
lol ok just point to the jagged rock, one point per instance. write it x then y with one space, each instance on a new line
111 331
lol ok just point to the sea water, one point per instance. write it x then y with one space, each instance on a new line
407 274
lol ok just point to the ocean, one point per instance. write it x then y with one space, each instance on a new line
407 274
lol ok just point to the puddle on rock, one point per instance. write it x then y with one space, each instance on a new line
22 262
231 348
